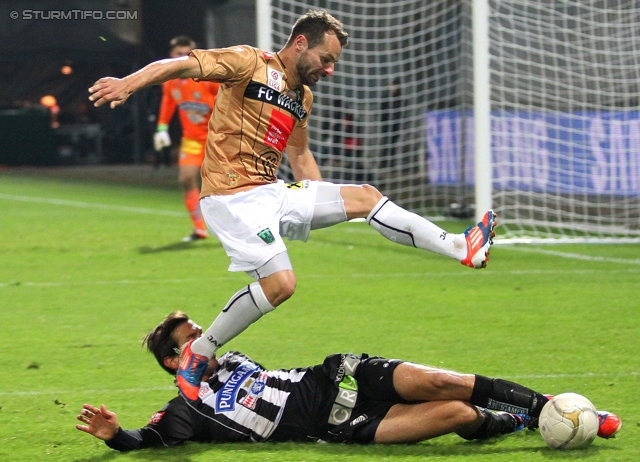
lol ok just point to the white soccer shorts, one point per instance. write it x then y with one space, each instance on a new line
251 224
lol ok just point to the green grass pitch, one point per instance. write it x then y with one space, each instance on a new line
86 270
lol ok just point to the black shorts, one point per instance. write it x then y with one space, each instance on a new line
375 383
306 414
376 395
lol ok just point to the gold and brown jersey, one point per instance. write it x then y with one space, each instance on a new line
260 109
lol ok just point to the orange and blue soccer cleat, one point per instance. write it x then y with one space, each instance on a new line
479 240
608 424
190 371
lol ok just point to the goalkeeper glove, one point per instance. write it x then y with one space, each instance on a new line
161 138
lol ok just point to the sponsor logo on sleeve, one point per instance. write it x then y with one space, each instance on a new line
204 390
155 418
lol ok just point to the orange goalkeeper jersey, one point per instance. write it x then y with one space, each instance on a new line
195 101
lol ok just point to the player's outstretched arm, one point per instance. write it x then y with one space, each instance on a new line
99 422
116 91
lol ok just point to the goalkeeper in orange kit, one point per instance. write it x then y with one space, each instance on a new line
194 101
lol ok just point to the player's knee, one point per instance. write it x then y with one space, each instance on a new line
288 288
279 287
371 194
360 200
372 198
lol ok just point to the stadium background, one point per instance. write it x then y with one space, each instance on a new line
555 153
35 51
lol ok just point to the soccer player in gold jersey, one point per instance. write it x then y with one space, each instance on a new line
261 112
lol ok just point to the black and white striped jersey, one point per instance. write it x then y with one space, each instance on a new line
341 400
241 402
246 398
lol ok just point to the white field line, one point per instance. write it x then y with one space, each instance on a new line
92 205
83 392
441 274
581 375
577 256
115 282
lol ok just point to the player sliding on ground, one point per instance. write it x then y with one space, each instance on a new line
348 398
261 110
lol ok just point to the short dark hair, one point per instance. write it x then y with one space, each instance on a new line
181 41
314 24
160 340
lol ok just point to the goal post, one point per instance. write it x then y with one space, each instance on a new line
481 107
264 31
451 107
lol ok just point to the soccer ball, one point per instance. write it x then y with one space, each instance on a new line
568 421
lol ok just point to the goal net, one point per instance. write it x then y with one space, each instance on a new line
565 81
564 123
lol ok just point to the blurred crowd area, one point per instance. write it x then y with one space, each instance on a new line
47 65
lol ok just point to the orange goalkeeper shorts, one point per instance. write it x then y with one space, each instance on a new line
191 152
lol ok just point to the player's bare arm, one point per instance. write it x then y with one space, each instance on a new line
99 422
303 164
116 91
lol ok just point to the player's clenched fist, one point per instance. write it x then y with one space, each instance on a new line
109 89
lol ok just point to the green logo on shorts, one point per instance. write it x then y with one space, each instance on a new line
266 236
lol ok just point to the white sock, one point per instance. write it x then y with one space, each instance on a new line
243 309
407 228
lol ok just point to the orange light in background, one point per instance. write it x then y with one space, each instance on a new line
48 101
66 70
